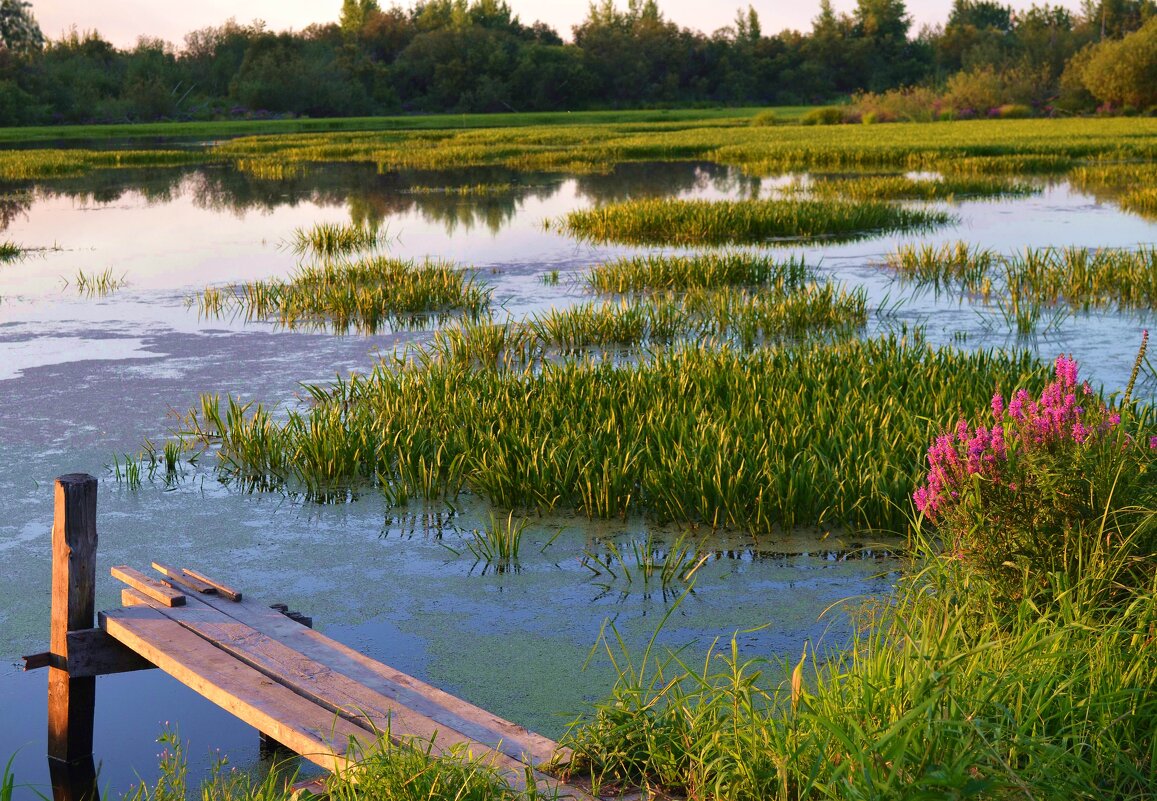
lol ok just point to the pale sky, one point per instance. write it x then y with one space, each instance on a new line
122 21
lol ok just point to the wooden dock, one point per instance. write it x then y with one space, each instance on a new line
265 665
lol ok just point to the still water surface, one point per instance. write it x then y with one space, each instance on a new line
84 378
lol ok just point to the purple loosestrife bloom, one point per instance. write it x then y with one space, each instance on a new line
1052 420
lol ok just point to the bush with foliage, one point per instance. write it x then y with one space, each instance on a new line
1044 483
1123 72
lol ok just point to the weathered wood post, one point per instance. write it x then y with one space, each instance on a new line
71 700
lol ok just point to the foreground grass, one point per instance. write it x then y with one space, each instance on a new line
821 433
937 696
702 222
397 773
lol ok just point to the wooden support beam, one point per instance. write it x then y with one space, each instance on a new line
72 700
91 652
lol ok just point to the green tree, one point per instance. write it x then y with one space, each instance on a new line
1123 72
19 32
355 14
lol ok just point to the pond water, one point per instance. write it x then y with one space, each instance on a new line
85 377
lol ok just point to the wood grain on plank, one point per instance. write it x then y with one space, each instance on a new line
147 586
448 710
313 732
223 589
340 694
187 580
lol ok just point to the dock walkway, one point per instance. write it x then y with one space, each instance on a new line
263 664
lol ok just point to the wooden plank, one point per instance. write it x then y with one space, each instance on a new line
223 589
72 701
441 707
150 587
340 694
316 734
189 581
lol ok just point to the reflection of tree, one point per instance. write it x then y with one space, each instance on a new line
13 205
454 199
663 179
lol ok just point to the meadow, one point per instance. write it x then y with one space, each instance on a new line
709 383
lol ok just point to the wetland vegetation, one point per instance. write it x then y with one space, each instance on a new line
366 295
730 389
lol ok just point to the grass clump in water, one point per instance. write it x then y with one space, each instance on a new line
901 187
821 433
97 284
694 222
365 296
498 543
696 271
328 240
10 251
1080 278
746 318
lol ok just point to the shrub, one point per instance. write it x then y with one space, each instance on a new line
828 115
1013 111
764 119
1123 72
913 103
1044 484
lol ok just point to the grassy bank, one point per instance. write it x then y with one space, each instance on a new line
216 129
574 143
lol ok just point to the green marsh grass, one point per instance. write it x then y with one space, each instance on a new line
1130 186
696 271
745 317
646 564
327 240
594 142
21 165
901 187
465 190
937 696
97 284
822 433
10 251
365 296
1077 278
703 222
498 543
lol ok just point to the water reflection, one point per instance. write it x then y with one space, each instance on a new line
372 197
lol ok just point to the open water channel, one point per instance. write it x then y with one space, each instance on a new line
84 377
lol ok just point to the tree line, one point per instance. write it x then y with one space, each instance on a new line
477 56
